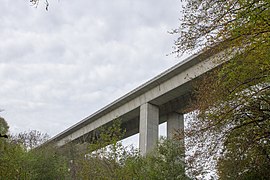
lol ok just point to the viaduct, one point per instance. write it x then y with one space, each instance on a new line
161 99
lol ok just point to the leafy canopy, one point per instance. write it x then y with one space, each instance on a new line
232 102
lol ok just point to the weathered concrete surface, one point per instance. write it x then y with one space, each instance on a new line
149 120
169 92
175 122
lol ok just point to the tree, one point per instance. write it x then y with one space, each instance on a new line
31 139
19 159
3 126
9 154
240 23
233 102
165 162
35 3
46 163
107 158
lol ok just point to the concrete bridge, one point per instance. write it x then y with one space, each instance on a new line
161 99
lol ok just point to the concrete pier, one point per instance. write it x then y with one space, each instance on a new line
149 120
175 122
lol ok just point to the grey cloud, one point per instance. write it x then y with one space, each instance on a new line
60 66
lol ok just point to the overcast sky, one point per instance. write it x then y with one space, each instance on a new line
61 65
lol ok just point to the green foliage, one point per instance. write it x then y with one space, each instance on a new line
207 23
3 126
244 157
30 140
106 156
165 162
47 163
19 159
11 156
109 135
234 107
233 102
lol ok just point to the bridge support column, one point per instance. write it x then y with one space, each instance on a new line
175 122
149 120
